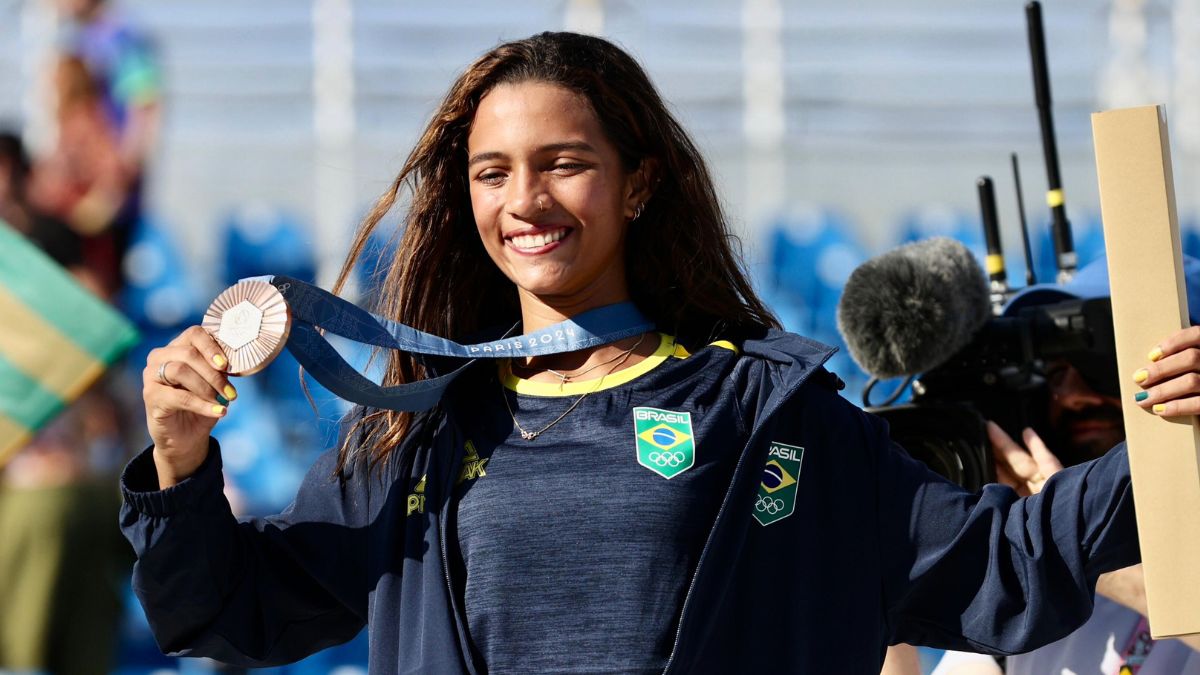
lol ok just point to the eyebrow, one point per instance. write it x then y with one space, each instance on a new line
552 147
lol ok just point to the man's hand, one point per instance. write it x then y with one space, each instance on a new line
1024 469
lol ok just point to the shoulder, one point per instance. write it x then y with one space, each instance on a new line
791 364
778 370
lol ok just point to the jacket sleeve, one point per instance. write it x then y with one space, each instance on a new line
990 571
260 592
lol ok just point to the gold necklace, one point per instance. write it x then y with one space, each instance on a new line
530 435
564 377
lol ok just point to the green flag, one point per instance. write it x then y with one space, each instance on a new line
55 339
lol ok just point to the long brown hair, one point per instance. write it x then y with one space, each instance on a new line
683 271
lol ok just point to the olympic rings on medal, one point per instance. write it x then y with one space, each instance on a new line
667 459
768 504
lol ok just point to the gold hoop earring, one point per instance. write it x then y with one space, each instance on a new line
637 212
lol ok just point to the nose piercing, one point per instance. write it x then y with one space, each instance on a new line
540 205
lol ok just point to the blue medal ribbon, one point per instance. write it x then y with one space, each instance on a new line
314 308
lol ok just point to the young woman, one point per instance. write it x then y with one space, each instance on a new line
696 498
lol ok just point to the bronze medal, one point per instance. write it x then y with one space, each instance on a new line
251 322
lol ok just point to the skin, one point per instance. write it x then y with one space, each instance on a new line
80 10
134 146
1086 418
1091 423
539 162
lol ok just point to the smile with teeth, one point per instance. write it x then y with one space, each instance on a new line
539 239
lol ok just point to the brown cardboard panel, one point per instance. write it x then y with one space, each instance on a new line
1141 233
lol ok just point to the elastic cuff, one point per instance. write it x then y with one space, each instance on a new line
139 484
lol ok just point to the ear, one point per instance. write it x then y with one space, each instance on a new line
639 187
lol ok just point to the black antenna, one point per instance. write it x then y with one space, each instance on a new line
1060 229
1030 277
997 274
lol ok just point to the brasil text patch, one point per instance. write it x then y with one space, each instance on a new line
777 493
665 442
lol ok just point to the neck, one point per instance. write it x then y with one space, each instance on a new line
538 312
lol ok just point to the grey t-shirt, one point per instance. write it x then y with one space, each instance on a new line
577 548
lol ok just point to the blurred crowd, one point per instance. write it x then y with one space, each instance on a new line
61 558
65 604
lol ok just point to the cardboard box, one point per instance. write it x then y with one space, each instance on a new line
1141 234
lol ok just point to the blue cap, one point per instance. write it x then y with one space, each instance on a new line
1092 282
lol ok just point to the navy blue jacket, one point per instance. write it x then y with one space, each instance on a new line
878 549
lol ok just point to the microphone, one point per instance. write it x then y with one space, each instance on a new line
907 311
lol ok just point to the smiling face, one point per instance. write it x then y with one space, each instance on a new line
550 195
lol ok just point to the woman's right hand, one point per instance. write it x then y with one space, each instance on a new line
182 410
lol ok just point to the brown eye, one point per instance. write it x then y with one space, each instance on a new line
490 177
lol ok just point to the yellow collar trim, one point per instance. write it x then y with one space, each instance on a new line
666 348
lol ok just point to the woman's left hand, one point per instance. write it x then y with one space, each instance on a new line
1171 381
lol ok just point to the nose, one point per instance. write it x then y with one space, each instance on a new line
528 197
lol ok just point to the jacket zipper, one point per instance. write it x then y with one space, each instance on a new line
750 443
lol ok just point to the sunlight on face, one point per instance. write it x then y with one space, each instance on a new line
550 196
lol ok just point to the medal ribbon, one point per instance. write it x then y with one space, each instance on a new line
314 308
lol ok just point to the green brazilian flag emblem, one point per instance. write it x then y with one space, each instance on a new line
777 492
665 444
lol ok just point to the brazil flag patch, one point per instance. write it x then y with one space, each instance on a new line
664 441
777 492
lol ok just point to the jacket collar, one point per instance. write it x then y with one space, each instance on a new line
799 355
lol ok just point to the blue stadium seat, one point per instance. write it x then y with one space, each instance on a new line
1087 234
159 294
261 239
373 264
813 252
937 220
1189 232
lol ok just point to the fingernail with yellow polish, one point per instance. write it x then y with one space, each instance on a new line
218 410
1141 375
219 360
1155 354
230 392
1159 408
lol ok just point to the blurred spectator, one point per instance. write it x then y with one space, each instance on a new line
61 559
82 180
109 114
49 233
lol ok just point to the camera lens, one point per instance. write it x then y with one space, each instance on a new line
951 439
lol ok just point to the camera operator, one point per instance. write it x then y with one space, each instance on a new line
1083 421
